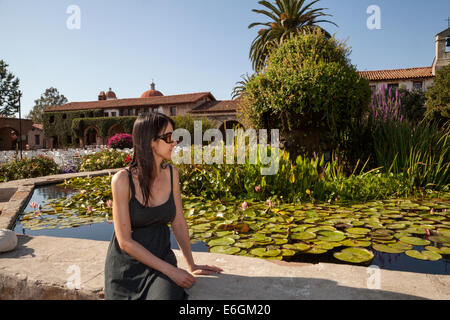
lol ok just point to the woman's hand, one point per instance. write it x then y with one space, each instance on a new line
182 278
204 269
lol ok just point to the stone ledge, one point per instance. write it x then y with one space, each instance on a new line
40 268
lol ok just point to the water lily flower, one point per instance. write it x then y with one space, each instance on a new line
89 209
244 205
432 210
109 203
258 188
427 232
270 203
33 204
308 191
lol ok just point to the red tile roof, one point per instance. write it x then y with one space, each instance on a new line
133 102
215 106
397 74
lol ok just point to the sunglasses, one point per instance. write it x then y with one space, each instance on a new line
167 138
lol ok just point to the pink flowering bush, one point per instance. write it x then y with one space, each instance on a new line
121 141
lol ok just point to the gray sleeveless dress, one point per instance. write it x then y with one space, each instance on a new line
128 279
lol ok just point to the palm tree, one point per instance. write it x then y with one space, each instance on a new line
289 17
239 89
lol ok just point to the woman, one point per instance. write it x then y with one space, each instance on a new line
146 197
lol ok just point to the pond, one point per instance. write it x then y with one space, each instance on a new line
299 233
96 231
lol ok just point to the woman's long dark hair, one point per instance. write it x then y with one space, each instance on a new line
145 129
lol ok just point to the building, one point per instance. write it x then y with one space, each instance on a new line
410 78
109 106
32 134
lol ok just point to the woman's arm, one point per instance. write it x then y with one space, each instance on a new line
181 231
179 225
122 227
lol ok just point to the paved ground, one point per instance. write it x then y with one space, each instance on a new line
46 267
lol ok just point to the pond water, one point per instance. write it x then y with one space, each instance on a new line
95 231
103 231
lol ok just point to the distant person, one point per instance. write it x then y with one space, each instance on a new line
140 263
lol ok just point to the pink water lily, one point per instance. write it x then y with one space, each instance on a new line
109 203
244 205
270 203
432 210
427 232
89 209
33 204
258 188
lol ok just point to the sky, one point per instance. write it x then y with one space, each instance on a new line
187 46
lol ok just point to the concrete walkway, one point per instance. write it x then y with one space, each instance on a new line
46 268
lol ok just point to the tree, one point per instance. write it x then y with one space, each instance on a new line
9 91
310 91
239 89
289 17
50 98
438 98
413 104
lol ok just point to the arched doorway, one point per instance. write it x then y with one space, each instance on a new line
54 142
90 136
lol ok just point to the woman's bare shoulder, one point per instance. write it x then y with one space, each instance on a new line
120 178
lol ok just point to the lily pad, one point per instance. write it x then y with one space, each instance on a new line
287 252
303 235
357 230
316 250
440 239
331 235
396 226
354 255
264 252
224 249
297 246
415 241
423 255
385 248
355 243
225 241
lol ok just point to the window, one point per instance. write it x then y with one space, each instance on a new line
155 109
417 84
64 116
173 111
52 119
121 112
393 86
113 114
91 114
373 88
105 114
82 115
69 139
37 139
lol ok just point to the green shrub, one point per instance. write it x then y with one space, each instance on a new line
310 91
37 166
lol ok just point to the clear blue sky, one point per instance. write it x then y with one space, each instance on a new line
186 46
